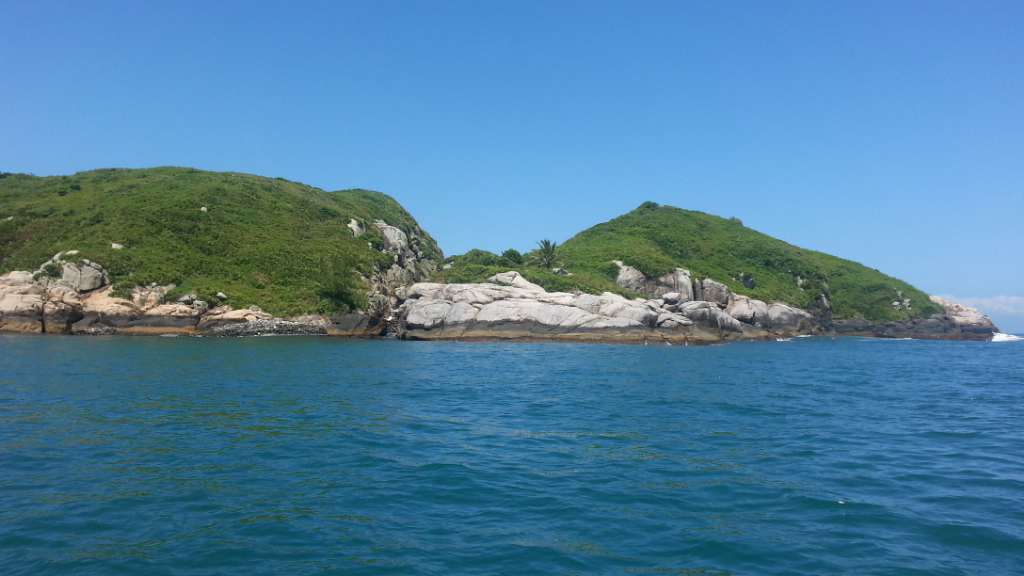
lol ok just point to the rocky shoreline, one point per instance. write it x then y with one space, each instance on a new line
68 295
508 306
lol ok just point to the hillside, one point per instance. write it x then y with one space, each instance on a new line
263 241
655 239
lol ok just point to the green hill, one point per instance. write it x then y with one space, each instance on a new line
655 239
266 241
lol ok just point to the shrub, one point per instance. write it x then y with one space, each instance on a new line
513 256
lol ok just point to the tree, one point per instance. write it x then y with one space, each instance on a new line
546 252
513 256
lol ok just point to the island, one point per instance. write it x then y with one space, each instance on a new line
184 251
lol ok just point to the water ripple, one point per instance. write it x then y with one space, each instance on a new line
319 456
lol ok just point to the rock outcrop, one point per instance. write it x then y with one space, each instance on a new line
71 295
509 306
678 281
970 321
956 322
409 265
680 286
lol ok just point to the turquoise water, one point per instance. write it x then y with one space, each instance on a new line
323 456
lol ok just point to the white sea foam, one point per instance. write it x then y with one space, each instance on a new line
1000 337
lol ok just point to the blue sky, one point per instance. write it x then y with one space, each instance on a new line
891 133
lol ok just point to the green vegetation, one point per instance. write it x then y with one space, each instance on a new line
478 265
278 244
286 246
655 239
546 253
513 256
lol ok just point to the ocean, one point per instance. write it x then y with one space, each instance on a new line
200 456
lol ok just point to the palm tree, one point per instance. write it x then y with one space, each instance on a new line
546 251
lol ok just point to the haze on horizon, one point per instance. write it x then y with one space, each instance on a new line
887 134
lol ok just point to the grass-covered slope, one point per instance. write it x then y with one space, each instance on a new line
655 239
478 265
266 241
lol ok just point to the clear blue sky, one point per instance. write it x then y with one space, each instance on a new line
891 133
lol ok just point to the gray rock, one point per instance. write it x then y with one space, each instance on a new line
748 310
395 240
514 279
716 292
356 227
677 281
508 306
969 321
673 298
82 276
630 278
672 320
708 315
786 319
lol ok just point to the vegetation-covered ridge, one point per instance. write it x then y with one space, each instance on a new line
656 239
278 244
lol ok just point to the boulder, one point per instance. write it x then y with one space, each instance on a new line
223 315
630 278
673 298
356 227
426 314
710 316
748 310
678 281
84 276
786 319
671 320
150 296
395 240
515 280
716 292
66 268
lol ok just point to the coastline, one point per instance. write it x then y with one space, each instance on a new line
80 300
